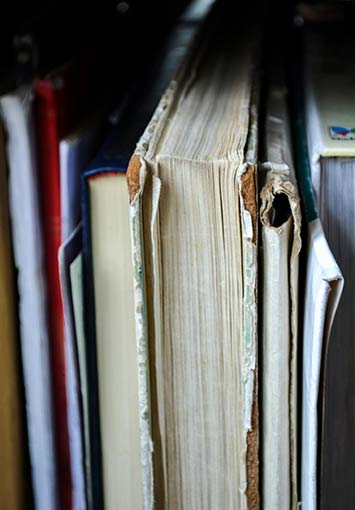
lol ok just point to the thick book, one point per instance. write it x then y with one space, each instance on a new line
193 222
108 278
329 106
280 218
12 457
18 117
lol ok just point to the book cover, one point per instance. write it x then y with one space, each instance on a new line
67 253
91 354
77 290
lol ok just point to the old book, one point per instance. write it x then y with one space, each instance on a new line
330 126
193 221
280 218
17 114
12 465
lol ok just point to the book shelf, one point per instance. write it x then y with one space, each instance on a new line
124 36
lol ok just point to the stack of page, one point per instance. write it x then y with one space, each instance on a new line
192 187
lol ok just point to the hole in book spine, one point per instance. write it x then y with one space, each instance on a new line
280 210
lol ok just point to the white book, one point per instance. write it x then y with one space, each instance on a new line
17 114
330 113
193 223
280 217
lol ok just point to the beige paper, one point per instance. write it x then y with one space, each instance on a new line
189 212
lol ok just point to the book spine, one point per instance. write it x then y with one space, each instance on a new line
249 227
49 183
135 179
90 329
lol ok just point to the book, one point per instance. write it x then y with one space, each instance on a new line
115 339
18 118
68 251
75 152
60 99
329 75
108 277
76 282
322 287
12 458
280 218
193 221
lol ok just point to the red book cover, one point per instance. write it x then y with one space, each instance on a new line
60 99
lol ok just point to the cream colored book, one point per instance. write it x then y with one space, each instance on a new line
75 402
115 340
193 221
280 218
330 74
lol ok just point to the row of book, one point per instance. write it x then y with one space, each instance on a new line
183 267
